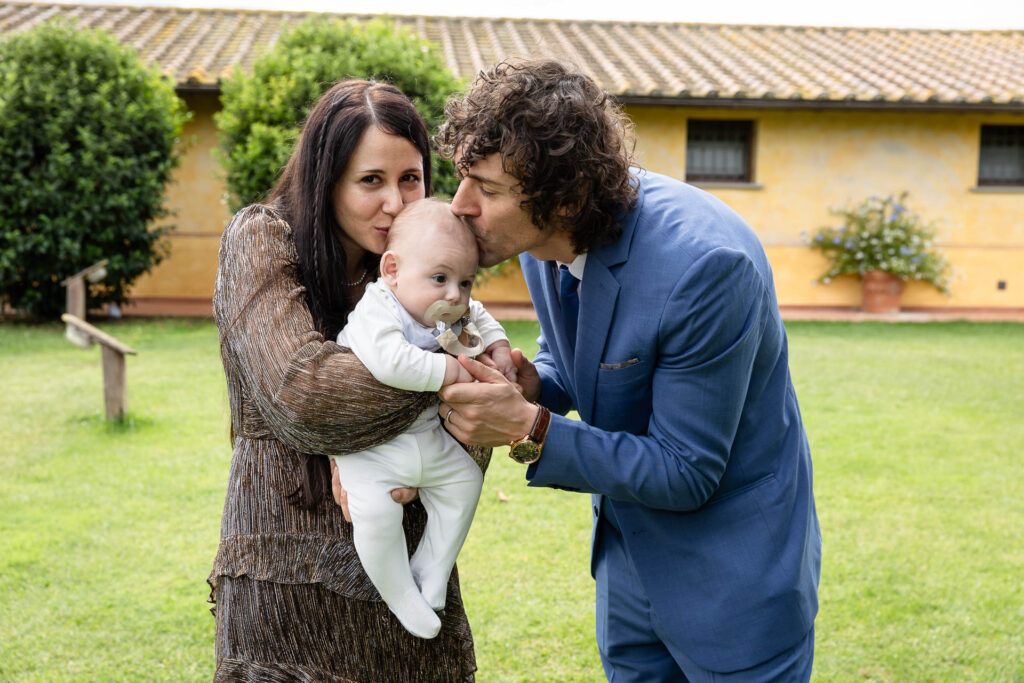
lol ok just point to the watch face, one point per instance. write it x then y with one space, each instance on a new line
525 452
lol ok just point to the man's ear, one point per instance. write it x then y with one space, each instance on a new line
389 268
567 211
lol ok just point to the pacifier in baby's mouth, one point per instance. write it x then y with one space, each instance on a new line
447 316
443 312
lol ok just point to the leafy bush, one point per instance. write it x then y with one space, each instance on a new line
880 233
86 136
263 112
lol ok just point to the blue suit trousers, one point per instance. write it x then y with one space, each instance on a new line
636 648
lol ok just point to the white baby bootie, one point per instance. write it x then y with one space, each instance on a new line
416 615
433 586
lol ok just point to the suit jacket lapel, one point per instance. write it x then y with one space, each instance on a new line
597 307
599 294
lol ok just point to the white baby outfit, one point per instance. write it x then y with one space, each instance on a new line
399 352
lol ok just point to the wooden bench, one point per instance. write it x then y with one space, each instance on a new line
115 395
76 287
75 297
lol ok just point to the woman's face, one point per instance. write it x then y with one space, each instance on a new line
384 173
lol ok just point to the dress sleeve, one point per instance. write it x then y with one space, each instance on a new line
315 396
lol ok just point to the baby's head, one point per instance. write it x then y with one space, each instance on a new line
431 256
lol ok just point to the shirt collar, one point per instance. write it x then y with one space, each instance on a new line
578 265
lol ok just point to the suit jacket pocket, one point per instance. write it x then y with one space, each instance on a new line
739 490
625 372
618 366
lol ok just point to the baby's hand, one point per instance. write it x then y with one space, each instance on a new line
501 356
454 372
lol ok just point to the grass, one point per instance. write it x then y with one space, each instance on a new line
915 434
107 532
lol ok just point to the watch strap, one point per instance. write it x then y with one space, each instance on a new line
539 431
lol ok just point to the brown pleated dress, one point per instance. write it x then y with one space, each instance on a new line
292 602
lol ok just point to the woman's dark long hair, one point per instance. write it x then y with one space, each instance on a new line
304 197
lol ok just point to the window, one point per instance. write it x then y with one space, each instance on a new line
1001 161
719 150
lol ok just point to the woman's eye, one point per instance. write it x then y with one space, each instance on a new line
370 179
410 178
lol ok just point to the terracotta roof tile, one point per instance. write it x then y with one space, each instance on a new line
655 62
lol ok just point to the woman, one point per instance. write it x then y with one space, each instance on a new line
292 600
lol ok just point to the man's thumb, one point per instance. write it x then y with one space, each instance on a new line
480 371
522 363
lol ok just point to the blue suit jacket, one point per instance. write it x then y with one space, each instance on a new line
690 425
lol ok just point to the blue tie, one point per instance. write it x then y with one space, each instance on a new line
569 300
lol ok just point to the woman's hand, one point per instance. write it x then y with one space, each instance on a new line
403 496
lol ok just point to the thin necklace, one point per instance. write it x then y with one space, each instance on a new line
366 271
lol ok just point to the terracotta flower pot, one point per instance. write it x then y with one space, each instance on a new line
880 292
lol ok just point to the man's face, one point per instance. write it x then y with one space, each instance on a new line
489 199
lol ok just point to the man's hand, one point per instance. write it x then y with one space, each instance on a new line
491 411
513 363
526 375
403 496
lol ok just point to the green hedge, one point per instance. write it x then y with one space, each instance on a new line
263 112
87 136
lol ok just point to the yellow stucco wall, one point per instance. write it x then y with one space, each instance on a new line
805 163
509 286
199 213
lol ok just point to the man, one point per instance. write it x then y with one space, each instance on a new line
661 328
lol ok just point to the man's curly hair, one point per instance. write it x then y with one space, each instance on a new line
559 134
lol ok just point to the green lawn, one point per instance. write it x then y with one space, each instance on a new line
107 532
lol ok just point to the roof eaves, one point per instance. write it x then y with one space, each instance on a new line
1015 104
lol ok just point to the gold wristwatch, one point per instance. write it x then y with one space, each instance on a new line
527 449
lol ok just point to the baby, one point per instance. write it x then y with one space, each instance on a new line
419 304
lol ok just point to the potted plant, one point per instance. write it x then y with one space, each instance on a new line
884 244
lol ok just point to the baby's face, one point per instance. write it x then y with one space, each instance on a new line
436 268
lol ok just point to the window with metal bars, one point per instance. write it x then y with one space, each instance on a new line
1001 161
719 150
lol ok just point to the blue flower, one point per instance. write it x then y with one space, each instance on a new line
906 251
836 240
819 238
